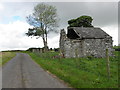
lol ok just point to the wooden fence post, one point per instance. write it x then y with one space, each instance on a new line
108 63
76 58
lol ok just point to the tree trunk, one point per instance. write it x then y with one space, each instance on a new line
44 38
45 45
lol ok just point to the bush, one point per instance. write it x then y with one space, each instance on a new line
83 21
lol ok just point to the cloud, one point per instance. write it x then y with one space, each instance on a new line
13 36
11 9
1 7
54 42
103 13
112 31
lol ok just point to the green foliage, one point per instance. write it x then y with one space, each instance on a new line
80 72
34 32
43 20
83 21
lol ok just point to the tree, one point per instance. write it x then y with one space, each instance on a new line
43 19
83 21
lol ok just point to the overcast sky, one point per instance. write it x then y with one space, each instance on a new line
13 25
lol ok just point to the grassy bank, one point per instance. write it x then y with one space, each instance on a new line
81 72
6 56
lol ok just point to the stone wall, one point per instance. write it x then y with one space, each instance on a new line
63 38
97 47
69 47
73 48
37 50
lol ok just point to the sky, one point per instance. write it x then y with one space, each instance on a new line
13 25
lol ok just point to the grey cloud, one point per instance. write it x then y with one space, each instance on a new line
103 13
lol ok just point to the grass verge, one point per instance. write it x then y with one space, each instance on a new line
80 72
5 57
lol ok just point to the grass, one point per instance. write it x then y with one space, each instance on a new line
80 72
5 57
0 58
115 47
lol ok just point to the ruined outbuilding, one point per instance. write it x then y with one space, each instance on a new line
84 42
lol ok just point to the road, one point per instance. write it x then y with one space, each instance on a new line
23 72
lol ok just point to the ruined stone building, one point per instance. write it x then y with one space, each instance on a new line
36 50
84 42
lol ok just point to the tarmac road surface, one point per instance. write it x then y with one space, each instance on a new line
23 72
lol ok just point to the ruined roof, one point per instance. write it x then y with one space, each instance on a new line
88 32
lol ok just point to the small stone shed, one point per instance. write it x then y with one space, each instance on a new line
84 42
36 50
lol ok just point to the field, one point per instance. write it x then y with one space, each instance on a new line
80 72
0 58
6 56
